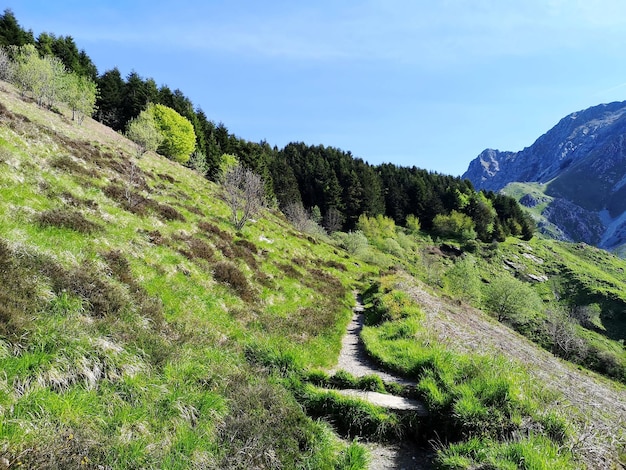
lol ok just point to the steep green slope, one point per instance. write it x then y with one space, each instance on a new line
138 329
131 312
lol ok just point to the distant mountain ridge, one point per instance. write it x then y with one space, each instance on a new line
581 162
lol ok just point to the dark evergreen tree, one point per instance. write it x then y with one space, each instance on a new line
44 44
285 184
136 94
211 148
11 33
110 99
222 138
87 67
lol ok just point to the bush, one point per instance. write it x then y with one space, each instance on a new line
353 242
100 297
214 230
510 299
179 138
168 213
463 279
64 218
264 428
200 249
227 273
143 131
18 301
455 225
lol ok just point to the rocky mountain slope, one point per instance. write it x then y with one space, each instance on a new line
582 164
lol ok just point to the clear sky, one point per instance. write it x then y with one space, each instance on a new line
429 83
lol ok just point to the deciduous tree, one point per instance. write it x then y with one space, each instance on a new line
179 138
143 131
244 192
80 93
510 299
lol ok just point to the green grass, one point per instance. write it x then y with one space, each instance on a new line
122 343
150 333
484 403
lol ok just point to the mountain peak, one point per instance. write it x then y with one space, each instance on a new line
581 160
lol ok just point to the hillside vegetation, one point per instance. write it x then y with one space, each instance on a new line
143 325
131 313
139 329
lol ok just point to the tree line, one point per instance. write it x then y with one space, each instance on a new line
331 184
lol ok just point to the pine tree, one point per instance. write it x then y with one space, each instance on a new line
109 103
11 33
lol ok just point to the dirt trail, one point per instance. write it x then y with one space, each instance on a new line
354 359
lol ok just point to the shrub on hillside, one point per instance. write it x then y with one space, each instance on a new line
454 225
64 218
227 273
213 230
510 299
353 242
200 249
168 213
179 138
86 282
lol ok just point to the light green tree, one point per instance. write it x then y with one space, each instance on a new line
179 138
377 229
143 131
456 225
463 279
41 77
80 94
52 75
23 68
510 299
413 224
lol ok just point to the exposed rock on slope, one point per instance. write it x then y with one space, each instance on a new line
583 160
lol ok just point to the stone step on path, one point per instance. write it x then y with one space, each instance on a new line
391 402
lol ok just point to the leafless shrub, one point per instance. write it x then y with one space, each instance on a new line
566 343
333 220
600 445
302 219
5 65
297 215
244 193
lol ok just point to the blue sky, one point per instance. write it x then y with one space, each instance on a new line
413 82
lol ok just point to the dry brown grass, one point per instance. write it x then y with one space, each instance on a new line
229 274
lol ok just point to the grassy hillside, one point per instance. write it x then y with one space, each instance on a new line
131 310
138 329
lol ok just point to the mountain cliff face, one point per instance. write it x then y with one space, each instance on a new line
582 163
